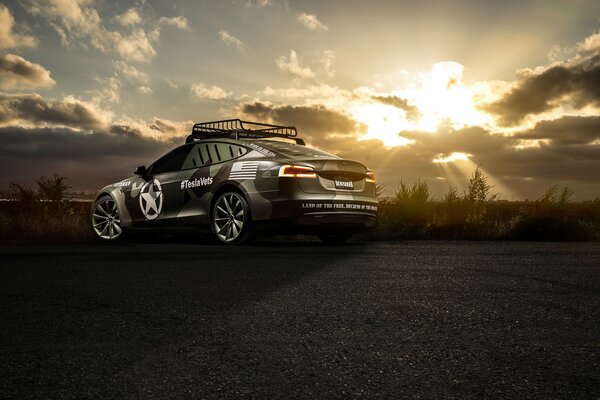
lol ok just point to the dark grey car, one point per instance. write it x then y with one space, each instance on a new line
242 178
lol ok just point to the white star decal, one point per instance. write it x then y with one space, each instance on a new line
151 199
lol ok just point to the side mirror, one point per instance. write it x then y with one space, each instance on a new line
141 171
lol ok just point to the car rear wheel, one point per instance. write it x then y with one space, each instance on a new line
231 221
106 222
334 238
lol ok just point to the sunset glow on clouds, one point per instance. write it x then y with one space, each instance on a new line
409 89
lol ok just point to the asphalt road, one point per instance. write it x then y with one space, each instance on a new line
281 320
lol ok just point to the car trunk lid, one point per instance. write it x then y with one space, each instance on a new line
335 175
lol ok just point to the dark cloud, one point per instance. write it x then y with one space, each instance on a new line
576 81
526 172
18 73
412 112
48 143
125 130
35 110
170 127
89 160
472 140
70 137
566 131
311 121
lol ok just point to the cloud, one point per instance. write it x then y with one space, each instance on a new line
77 20
327 60
131 73
282 4
18 73
321 91
575 82
517 172
291 66
137 46
110 90
259 3
412 112
231 40
171 128
171 84
89 160
178 22
129 17
72 144
214 93
311 120
33 110
311 22
568 130
8 38
589 46
135 77
77 140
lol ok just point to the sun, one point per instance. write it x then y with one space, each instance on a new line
383 122
441 98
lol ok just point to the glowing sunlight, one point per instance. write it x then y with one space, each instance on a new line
384 122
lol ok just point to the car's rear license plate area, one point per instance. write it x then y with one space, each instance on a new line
345 184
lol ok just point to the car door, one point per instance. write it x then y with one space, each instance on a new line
156 200
199 175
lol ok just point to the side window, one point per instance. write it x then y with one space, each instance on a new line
212 153
236 151
171 161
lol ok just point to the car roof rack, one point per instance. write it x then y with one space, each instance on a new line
236 128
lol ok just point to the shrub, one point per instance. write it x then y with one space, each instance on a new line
478 195
53 189
410 208
43 214
553 217
477 213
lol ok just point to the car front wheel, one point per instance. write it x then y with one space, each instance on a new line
106 222
231 221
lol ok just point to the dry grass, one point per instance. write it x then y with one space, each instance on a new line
43 214
477 214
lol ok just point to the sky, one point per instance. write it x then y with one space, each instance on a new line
413 89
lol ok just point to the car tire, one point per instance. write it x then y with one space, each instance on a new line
105 219
334 238
231 221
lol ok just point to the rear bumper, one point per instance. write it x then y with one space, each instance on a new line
318 215
337 219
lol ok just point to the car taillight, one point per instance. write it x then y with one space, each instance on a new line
297 171
370 176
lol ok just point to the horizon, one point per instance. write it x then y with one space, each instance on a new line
90 91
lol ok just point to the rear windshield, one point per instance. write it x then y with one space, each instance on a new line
293 150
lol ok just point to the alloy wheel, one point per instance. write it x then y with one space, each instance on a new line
229 217
105 220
